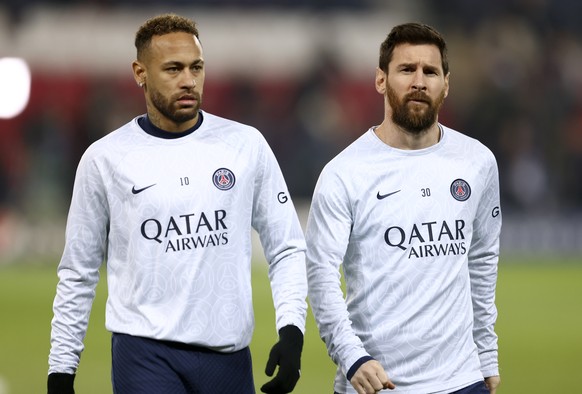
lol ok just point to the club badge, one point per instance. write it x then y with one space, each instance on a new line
223 179
460 190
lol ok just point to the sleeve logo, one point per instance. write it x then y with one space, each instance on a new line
223 179
282 198
460 190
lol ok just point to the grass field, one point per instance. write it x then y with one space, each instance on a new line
539 325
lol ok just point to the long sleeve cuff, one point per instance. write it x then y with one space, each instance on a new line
357 365
489 363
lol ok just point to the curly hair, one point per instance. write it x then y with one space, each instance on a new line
416 34
160 25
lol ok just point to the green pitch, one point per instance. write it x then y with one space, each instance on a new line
539 327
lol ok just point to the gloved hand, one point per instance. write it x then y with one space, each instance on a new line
287 354
60 383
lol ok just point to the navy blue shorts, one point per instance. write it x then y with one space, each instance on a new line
476 388
147 366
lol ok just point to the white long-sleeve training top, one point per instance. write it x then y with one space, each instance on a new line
172 220
417 235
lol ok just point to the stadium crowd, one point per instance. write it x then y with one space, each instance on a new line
518 89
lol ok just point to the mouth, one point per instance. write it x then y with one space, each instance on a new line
187 100
419 101
417 104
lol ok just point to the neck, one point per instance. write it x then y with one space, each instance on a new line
168 125
399 138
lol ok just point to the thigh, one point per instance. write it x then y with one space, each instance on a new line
140 366
222 373
476 388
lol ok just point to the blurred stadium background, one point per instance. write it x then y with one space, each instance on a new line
302 71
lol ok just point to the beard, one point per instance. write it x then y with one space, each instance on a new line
411 118
170 109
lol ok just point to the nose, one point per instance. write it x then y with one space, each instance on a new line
418 83
188 80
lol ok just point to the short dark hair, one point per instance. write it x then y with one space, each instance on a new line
160 25
415 34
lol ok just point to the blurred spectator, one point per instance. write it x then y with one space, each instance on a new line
519 91
525 182
522 94
50 168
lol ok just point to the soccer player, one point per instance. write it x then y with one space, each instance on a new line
411 212
168 201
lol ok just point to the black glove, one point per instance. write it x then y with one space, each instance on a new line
287 354
60 383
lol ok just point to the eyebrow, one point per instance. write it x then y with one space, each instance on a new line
416 65
179 63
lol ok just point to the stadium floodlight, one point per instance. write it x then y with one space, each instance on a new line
14 86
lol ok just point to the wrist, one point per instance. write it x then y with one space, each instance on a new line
291 334
60 383
357 365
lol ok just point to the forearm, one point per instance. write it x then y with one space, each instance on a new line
289 290
72 307
483 279
332 317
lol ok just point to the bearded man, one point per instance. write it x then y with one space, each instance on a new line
411 211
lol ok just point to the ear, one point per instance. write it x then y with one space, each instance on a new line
380 81
447 84
139 73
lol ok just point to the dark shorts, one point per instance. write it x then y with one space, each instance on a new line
476 388
147 366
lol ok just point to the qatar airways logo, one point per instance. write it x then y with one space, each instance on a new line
428 239
187 232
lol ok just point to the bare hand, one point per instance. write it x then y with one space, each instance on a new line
370 378
492 383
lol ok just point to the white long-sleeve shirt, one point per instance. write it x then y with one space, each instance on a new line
172 220
417 235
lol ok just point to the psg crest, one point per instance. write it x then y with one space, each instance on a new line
460 190
223 179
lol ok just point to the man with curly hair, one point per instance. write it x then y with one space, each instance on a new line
168 201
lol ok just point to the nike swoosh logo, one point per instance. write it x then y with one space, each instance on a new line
136 191
383 196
